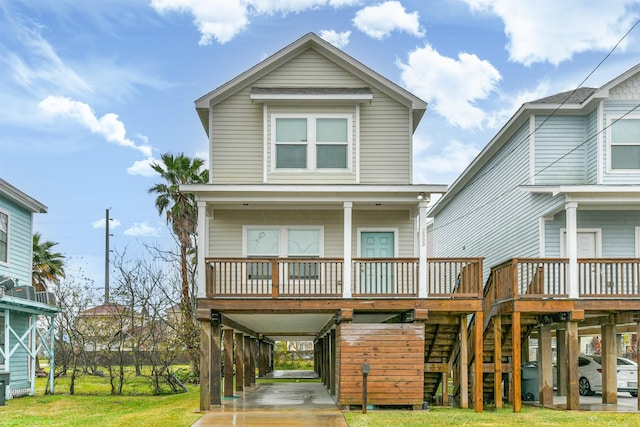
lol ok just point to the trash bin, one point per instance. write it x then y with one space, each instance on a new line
4 382
530 382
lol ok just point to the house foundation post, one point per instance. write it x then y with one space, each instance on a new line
216 360
333 362
609 362
478 365
239 361
247 361
497 361
253 344
516 361
573 351
464 363
205 364
545 366
561 349
228 362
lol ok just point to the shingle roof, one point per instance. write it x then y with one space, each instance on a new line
576 96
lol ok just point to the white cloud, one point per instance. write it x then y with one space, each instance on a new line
222 20
339 40
113 223
553 31
380 20
514 102
444 166
451 86
109 126
141 229
142 167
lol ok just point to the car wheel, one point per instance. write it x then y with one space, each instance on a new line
633 393
584 387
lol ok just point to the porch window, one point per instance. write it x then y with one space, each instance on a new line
624 137
311 142
4 237
262 243
303 244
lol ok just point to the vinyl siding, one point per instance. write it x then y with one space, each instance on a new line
560 150
491 217
237 135
20 242
618 108
225 231
591 148
617 228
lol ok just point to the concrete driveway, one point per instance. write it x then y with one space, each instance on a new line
279 404
626 403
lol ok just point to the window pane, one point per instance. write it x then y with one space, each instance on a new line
4 233
625 156
332 156
263 242
291 130
291 156
304 242
303 270
625 131
331 130
259 270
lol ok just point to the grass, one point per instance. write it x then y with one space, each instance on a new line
530 416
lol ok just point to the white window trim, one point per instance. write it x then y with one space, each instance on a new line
284 241
7 263
393 230
597 231
638 242
610 170
311 145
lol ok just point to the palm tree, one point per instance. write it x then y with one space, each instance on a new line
182 213
47 266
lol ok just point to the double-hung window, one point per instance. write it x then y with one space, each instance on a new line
624 144
4 238
311 142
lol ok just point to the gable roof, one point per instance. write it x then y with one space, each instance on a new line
329 51
21 198
578 101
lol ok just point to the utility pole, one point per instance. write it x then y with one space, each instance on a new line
106 260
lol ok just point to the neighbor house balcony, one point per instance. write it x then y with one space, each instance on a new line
313 278
549 278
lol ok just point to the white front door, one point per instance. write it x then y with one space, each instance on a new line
588 244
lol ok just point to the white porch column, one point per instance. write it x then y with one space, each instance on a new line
572 249
422 252
346 268
203 247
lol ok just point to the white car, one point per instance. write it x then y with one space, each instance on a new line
590 375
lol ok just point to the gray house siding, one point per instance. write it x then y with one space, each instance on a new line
617 231
20 242
591 148
497 225
560 150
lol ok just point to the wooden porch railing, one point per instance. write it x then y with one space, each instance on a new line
526 278
323 277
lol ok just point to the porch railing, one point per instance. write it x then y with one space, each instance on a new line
526 278
324 277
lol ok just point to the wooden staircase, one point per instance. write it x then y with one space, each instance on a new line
439 346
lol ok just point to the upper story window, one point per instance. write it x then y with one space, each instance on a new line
624 144
311 141
4 237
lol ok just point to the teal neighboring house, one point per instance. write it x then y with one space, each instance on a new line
26 316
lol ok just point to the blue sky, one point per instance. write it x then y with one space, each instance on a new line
94 90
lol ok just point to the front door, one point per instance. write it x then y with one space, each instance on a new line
377 277
586 244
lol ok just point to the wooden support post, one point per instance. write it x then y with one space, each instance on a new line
216 360
261 359
478 365
516 362
497 361
464 363
445 389
561 351
609 363
247 361
545 368
332 366
252 359
228 362
573 351
205 368
326 361
239 361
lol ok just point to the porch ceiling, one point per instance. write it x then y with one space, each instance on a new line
283 327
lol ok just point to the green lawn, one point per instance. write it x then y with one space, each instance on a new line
530 416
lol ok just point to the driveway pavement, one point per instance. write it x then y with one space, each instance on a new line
278 404
626 403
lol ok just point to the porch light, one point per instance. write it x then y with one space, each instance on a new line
421 196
